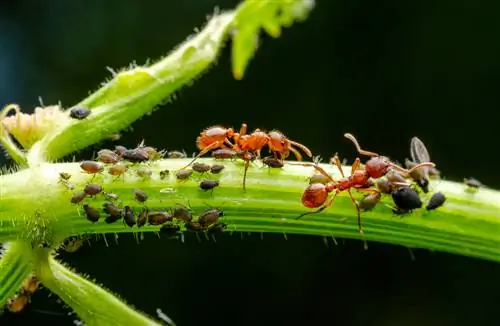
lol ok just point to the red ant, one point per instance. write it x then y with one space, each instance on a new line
316 194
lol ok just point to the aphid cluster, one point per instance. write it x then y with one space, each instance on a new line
21 299
228 144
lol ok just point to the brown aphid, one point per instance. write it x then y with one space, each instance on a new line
164 174
170 229
272 162
31 285
184 174
107 156
114 213
176 154
217 168
144 173
117 169
159 218
143 217
318 178
129 216
209 217
140 195
217 227
92 189
473 183
394 176
369 201
193 226
385 186
120 150
223 154
182 213
200 167
91 213
64 176
78 197
18 303
208 184
152 153
73 244
135 155
91 167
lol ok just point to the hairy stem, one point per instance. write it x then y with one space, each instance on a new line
93 304
15 267
468 223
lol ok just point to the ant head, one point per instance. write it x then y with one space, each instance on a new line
377 166
278 141
230 132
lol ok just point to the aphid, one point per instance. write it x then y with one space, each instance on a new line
473 183
152 153
223 154
170 229
64 176
176 154
110 196
91 167
92 189
79 113
209 217
385 186
279 144
183 174
91 213
164 174
120 150
30 285
159 218
140 195
217 227
406 199
200 167
112 210
193 226
135 155
144 173
208 184
142 218
107 156
128 216
419 154
273 162
117 169
217 168
18 303
182 213
318 178
369 201
73 244
316 194
78 197
437 200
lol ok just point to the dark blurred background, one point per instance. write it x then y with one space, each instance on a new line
383 70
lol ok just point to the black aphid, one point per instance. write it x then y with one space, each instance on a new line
79 113
91 213
437 200
406 199
128 216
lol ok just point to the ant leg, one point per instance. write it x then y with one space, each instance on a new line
302 147
415 167
358 210
336 161
203 152
247 163
358 148
296 153
317 168
322 208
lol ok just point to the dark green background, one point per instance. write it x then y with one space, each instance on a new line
383 70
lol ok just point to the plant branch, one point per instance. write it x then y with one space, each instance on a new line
15 267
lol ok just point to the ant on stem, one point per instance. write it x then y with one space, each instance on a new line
316 194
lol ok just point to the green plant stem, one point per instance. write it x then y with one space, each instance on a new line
15 267
468 223
92 303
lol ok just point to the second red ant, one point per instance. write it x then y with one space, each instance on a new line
316 194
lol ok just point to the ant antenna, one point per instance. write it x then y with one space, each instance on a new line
358 148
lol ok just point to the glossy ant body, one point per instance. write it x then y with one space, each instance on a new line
316 194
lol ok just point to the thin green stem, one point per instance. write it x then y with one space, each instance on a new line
93 304
6 141
468 223
15 267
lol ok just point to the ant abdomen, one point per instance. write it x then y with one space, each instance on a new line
314 195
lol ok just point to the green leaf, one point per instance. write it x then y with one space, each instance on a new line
15 267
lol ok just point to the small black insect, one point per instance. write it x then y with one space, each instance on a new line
79 113
91 213
208 184
170 229
209 217
164 174
128 216
273 162
437 200
406 200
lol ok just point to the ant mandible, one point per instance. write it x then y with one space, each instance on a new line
316 194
